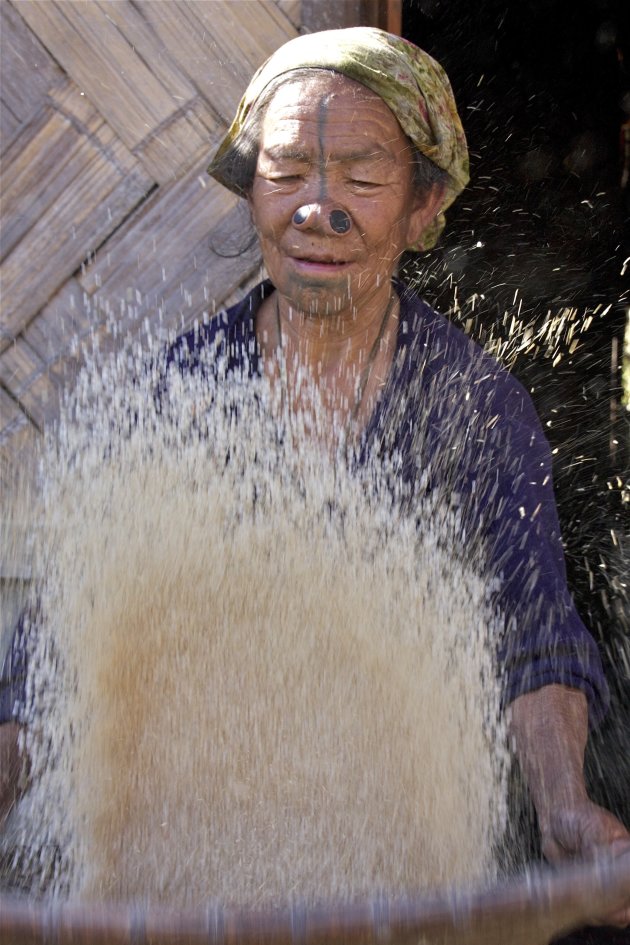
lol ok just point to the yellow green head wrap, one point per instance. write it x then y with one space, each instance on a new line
410 82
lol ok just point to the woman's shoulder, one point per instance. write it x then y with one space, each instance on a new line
456 364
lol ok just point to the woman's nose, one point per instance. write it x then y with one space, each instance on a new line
313 214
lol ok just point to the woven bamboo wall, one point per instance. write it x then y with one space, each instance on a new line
109 110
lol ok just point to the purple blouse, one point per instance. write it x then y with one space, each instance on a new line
452 420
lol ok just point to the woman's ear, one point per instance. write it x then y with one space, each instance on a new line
426 208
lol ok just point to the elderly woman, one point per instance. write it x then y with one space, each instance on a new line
348 148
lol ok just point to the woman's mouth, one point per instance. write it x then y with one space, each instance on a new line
319 263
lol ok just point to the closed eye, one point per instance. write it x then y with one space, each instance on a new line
365 184
284 178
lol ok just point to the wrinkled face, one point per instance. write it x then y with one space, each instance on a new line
329 144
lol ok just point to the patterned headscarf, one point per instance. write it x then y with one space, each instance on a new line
410 82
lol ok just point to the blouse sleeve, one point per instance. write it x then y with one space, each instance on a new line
544 640
481 442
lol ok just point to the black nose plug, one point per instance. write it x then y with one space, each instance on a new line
339 220
302 214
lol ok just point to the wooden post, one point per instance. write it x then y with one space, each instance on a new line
390 16
322 15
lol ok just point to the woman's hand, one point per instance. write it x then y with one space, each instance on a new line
586 831
549 727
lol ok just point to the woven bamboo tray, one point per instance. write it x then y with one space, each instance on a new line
529 910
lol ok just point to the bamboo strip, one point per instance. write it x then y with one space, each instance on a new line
27 70
100 55
87 183
292 9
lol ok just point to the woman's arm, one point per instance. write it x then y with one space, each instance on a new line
550 727
10 766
